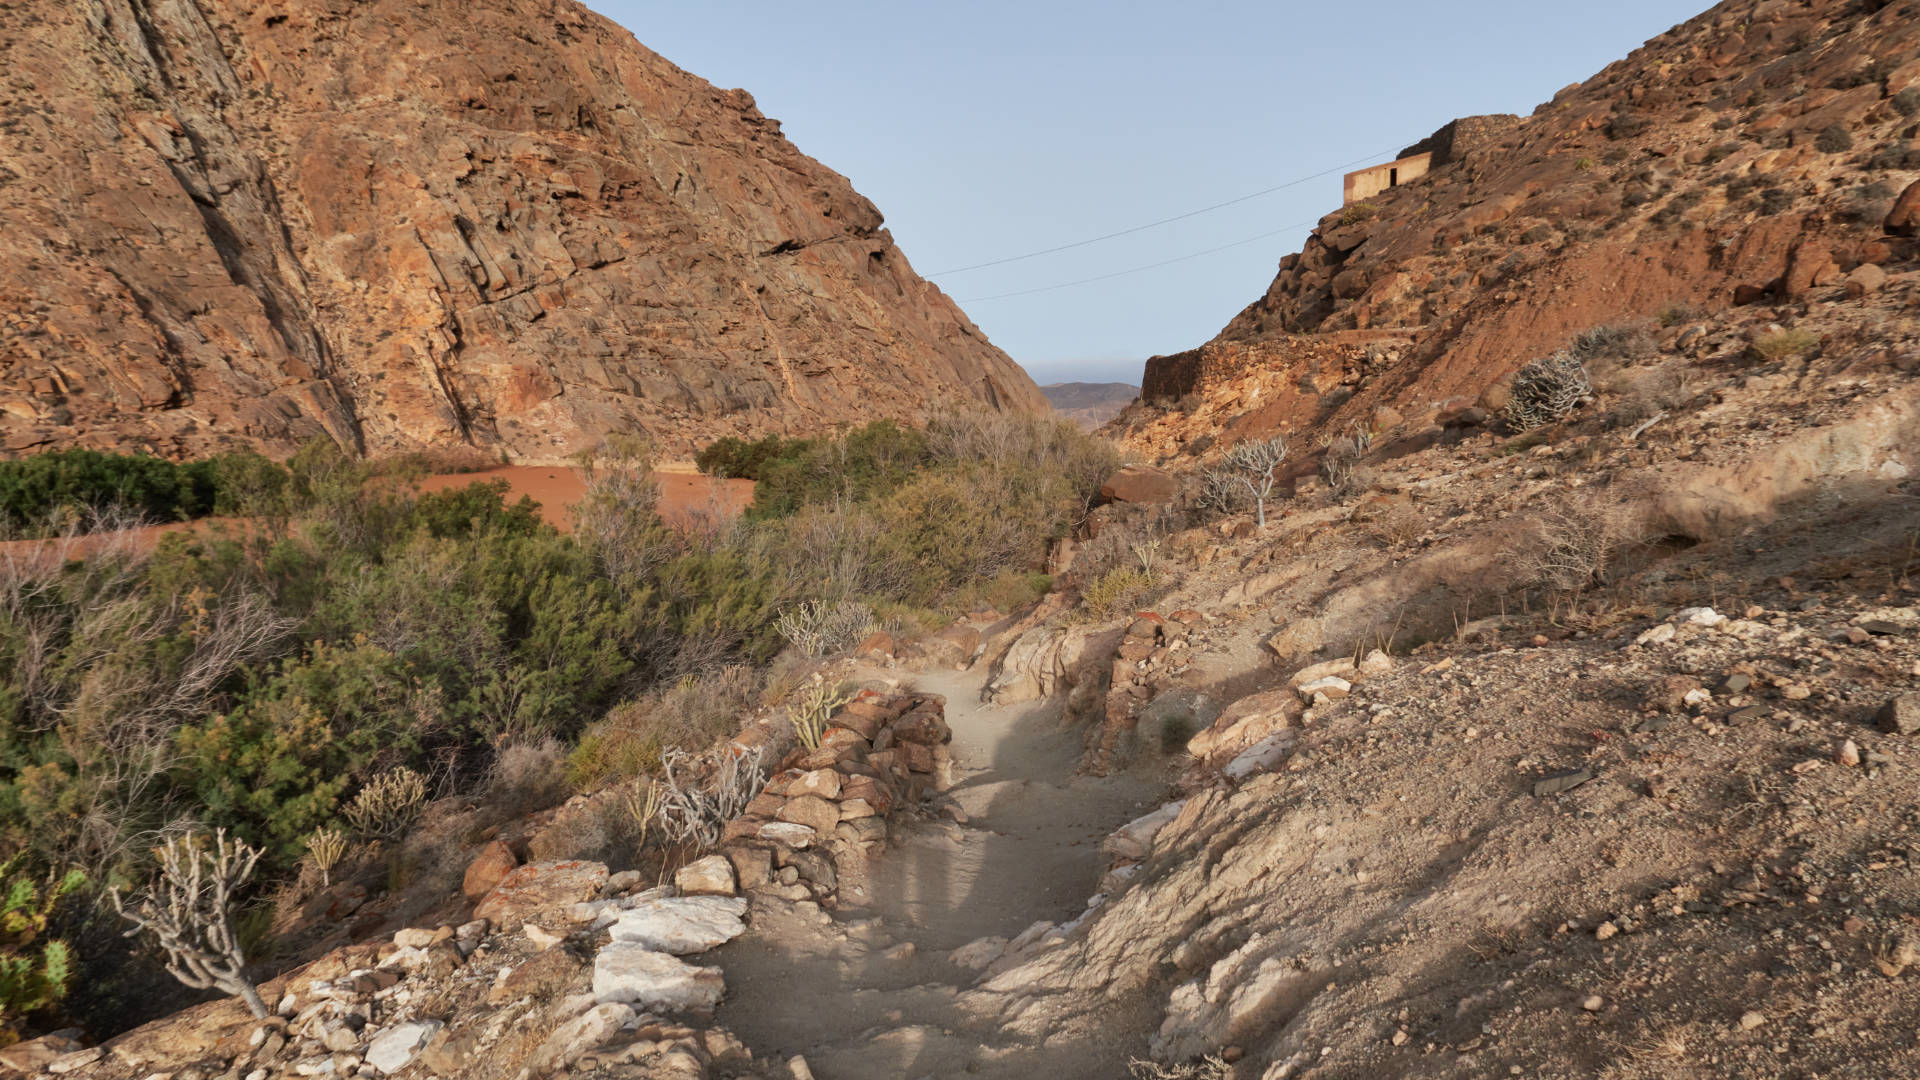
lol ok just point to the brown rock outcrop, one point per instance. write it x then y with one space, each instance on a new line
402 224
1689 175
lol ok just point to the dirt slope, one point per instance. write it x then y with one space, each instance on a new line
503 223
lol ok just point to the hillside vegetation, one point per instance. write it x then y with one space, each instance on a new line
259 677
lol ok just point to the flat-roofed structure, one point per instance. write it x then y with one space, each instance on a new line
1366 183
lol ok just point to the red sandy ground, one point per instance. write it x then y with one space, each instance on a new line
686 499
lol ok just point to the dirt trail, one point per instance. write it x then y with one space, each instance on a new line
869 992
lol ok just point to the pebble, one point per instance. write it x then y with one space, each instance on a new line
1604 931
1750 1020
1848 754
1593 1003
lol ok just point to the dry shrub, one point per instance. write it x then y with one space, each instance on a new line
1546 390
1397 523
388 805
1114 592
528 776
616 518
695 812
1641 394
586 831
1577 540
634 737
1210 1067
818 628
1784 344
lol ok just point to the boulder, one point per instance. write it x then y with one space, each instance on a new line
572 1040
923 727
683 924
1901 715
396 1047
627 971
752 866
711 876
1134 840
1865 280
35 1055
1904 218
790 833
1141 484
494 863
540 887
1332 687
955 646
977 955
1809 265
1263 756
878 645
812 811
822 782
1246 721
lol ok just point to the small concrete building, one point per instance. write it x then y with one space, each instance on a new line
1368 182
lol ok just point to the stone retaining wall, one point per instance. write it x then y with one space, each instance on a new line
824 810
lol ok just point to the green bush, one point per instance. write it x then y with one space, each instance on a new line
259 678
38 492
866 462
35 970
1833 140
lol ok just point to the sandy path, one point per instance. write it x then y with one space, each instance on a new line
868 993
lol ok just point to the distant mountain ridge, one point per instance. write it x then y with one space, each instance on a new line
1090 404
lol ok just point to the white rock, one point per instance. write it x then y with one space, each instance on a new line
542 937
395 1048
1655 635
788 833
629 972
1697 696
1263 756
976 955
571 1040
1333 687
687 924
1135 839
1700 616
1342 666
79 1059
413 937
406 959
711 876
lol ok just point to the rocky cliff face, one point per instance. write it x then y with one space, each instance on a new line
1749 155
404 224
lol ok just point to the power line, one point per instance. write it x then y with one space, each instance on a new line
1138 269
1163 221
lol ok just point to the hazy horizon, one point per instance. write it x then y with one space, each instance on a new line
997 129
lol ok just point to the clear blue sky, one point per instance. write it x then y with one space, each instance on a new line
993 128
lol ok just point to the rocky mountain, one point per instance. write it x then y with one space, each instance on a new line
1090 404
403 225
1748 155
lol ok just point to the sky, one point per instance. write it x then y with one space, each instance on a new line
990 129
